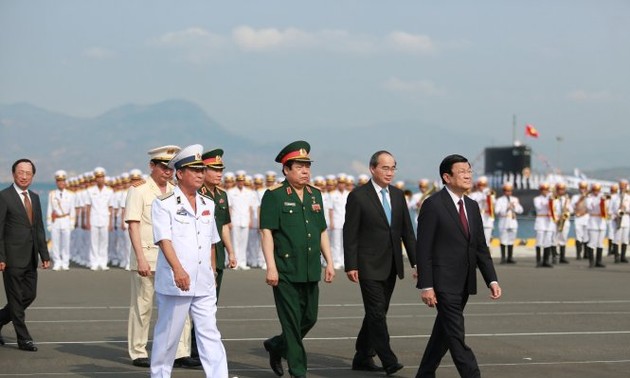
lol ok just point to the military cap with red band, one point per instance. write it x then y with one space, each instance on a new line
296 151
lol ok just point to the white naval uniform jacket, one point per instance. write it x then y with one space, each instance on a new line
192 236
62 203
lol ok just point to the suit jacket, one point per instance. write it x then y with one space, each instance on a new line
21 242
446 258
370 243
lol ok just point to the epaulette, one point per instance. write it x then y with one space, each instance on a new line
221 189
138 183
314 187
277 186
165 196
206 196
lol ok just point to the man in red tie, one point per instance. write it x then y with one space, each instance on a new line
22 243
450 247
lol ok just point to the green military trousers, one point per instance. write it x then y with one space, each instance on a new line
296 305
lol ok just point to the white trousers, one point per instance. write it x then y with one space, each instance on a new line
239 243
336 245
140 312
255 257
172 312
563 236
622 235
507 236
487 231
99 242
544 239
60 247
596 238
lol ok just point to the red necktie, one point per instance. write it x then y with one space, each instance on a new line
462 218
28 206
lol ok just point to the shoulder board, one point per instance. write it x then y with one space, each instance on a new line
206 196
138 183
314 187
277 186
165 196
221 189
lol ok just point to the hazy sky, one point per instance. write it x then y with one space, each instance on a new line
261 67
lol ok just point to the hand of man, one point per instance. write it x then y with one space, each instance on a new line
329 273
2 266
46 264
495 291
353 275
232 262
428 297
414 272
272 277
182 280
144 269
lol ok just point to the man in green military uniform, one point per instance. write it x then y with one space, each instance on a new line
293 236
214 173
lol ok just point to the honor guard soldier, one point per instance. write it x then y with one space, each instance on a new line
141 195
338 198
544 225
363 179
255 257
270 179
185 230
60 217
619 208
293 237
614 190
99 218
578 204
486 198
241 215
229 180
507 208
563 212
597 207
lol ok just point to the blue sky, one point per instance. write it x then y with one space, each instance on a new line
265 68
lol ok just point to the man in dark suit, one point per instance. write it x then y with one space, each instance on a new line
377 221
22 243
451 244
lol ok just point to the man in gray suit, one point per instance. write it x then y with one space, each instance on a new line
377 221
22 243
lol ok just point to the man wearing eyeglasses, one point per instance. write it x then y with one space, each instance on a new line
142 263
377 221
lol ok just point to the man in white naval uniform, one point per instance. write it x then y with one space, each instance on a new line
185 230
99 218
60 217
544 225
597 207
338 199
507 207
563 212
143 259
620 226
486 199
578 204
241 211
255 257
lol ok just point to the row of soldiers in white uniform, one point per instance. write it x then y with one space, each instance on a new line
85 219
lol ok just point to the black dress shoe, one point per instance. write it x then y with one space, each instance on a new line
27 345
365 365
187 362
391 369
141 362
275 360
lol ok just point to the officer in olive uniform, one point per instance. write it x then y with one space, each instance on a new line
213 161
293 236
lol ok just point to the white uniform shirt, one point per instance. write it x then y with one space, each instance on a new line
99 202
507 215
597 206
487 214
617 203
240 205
62 203
192 236
338 205
543 213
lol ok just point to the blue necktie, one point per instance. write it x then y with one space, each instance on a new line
386 207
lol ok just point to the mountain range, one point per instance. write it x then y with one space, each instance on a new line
119 138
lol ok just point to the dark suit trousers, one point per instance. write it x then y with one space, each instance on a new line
374 336
20 285
448 334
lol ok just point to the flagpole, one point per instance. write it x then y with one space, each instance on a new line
513 129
